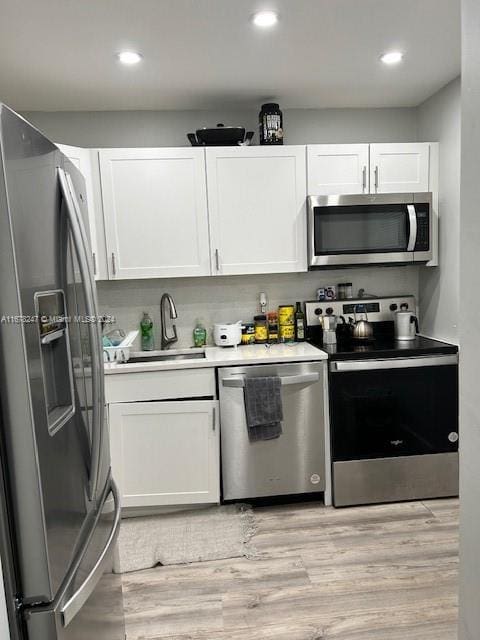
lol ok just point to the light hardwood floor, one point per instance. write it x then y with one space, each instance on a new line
386 572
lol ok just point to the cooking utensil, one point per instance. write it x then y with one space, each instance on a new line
227 334
220 136
331 324
361 329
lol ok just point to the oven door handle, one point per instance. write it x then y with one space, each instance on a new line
394 363
412 217
303 378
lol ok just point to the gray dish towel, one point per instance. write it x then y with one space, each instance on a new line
263 407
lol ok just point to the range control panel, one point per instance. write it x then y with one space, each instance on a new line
377 309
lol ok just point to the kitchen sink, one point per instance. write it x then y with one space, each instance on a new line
156 356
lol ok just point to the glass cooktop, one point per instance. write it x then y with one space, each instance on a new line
384 347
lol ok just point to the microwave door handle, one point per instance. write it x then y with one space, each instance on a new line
412 217
79 239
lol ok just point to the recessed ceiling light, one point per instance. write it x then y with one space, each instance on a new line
265 19
392 57
129 57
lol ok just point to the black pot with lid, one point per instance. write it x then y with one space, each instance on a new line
220 136
270 120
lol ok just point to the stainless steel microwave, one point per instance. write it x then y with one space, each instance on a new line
347 230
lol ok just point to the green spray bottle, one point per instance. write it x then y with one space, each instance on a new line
146 328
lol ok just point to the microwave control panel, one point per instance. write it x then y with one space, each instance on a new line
423 229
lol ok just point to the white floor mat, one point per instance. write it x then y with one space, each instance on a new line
214 533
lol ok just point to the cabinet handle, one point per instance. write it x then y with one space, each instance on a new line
376 179
364 179
94 257
214 426
114 268
217 260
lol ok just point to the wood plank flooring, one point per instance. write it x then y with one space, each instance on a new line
386 572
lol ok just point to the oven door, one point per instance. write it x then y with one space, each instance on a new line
391 408
346 230
394 429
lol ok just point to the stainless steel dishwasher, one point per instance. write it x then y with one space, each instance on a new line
294 463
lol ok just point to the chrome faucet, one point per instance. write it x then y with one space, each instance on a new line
166 340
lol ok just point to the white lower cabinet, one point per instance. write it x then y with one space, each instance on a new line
166 453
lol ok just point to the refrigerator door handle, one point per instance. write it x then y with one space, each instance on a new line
76 602
80 242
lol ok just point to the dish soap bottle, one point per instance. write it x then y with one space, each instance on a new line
299 324
199 334
146 328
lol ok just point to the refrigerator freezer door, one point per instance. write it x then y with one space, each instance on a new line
90 604
49 469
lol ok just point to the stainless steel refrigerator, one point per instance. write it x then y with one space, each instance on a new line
60 514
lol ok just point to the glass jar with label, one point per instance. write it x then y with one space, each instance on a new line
345 290
248 333
272 318
286 323
261 329
271 124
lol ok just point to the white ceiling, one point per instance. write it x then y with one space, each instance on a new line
203 54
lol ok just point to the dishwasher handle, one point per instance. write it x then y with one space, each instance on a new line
301 378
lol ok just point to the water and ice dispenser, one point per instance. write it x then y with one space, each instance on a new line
55 358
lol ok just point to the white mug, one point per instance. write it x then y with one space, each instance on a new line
406 325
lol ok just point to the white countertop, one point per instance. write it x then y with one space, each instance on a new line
226 356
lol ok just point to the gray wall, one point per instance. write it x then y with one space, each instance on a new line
439 120
225 299
168 128
469 327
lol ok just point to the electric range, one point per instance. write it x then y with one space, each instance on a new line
393 407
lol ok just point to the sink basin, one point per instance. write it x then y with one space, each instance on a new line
156 356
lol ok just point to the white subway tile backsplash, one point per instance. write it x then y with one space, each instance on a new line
231 298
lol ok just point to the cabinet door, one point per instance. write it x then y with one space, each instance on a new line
165 453
155 207
86 161
399 168
337 169
256 199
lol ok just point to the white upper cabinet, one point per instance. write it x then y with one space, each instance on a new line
256 199
86 162
155 208
337 169
362 168
399 167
